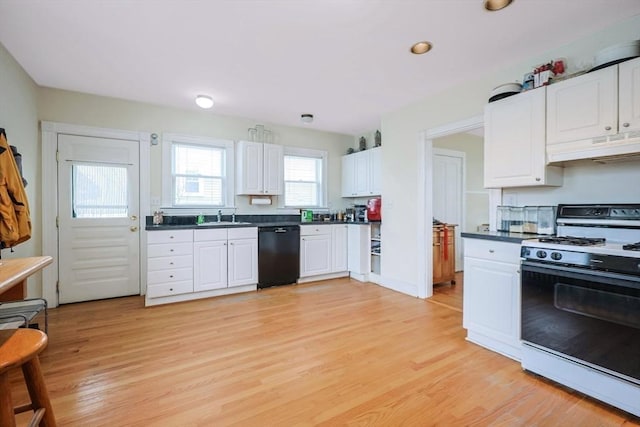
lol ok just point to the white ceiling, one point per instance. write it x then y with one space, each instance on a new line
345 61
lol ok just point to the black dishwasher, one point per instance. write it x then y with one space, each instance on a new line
278 255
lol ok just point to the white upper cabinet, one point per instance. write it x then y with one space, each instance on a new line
583 107
361 173
260 168
629 102
514 145
595 115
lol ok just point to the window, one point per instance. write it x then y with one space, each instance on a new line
97 191
197 172
304 178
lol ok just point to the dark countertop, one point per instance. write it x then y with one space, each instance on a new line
501 236
245 224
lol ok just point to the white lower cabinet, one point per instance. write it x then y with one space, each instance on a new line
210 259
242 261
491 312
169 263
323 250
359 249
191 264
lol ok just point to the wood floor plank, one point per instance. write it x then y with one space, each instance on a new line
330 353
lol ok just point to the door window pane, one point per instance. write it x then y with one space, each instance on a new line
99 191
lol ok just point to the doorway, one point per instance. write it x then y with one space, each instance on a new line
93 233
478 202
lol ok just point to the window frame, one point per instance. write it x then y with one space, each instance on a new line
323 156
168 140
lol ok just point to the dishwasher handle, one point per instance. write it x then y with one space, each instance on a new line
280 230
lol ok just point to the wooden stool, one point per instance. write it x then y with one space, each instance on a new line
20 347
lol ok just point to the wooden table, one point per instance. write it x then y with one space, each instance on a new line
14 274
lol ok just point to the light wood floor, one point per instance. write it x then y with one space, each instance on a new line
448 294
327 353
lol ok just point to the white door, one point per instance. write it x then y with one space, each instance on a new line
98 209
447 193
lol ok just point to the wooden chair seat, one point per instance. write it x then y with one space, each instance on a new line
20 348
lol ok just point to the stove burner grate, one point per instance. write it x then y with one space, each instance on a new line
575 241
632 247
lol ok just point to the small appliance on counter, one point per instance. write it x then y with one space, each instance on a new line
306 215
374 209
360 213
527 219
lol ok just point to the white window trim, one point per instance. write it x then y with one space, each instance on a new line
309 152
167 140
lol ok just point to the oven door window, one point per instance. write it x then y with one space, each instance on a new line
590 316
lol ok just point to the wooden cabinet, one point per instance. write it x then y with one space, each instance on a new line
514 144
595 115
169 263
491 299
444 254
361 173
323 250
260 168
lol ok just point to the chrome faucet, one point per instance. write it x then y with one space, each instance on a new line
219 215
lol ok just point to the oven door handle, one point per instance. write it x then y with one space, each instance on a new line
607 277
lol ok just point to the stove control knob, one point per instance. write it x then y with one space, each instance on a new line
557 256
541 254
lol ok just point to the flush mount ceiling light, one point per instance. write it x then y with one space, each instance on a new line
493 5
421 47
204 101
306 118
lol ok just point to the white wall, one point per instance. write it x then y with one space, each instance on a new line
401 136
18 116
91 110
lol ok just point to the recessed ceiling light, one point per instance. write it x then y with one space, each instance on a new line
306 118
421 47
204 101
493 5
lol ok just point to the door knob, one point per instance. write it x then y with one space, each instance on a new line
133 228
134 217
607 128
625 125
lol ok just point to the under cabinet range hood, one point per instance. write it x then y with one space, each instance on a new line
603 149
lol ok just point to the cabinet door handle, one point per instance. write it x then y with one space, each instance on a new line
538 179
171 289
171 276
625 125
491 251
607 128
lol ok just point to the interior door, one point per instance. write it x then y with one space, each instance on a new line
98 208
447 193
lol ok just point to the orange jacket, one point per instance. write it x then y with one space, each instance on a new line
15 223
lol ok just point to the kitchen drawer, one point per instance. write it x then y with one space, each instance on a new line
210 235
314 230
168 289
492 250
169 249
169 236
243 233
169 262
167 276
